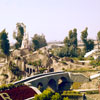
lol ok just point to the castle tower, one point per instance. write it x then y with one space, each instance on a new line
25 41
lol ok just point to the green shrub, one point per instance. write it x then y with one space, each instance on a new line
46 95
63 69
91 58
30 63
56 96
76 85
95 63
42 70
71 94
3 87
15 69
81 58
64 62
37 63
65 98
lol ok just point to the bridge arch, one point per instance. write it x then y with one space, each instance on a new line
40 86
52 84
27 70
63 84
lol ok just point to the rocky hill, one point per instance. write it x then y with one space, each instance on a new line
41 59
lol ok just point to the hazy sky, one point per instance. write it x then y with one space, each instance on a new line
53 18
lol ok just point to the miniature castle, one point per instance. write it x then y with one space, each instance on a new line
25 41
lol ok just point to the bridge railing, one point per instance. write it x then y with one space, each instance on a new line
35 76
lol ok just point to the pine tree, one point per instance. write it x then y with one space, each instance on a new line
4 43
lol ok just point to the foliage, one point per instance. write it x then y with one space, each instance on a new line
20 27
98 38
76 85
70 44
64 62
95 63
84 35
81 70
91 58
38 41
80 58
70 49
4 43
42 70
56 96
71 94
88 44
61 52
15 69
65 98
35 63
46 95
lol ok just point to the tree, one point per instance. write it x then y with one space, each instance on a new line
66 41
71 43
38 41
98 38
4 43
20 28
88 44
84 35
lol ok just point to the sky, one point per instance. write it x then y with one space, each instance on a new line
53 18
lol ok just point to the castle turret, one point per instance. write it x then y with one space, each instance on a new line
25 42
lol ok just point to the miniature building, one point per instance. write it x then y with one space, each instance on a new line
25 42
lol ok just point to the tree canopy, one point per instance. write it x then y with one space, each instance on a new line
4 42
18 35
98 38
38 41
88 44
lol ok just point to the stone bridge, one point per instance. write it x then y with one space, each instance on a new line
54 80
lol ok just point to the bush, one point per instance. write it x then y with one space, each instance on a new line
30 63
46 95
57 96
91 58
76 85
95 63
81 58
71 94
64 62
42 70
15 69
65 98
